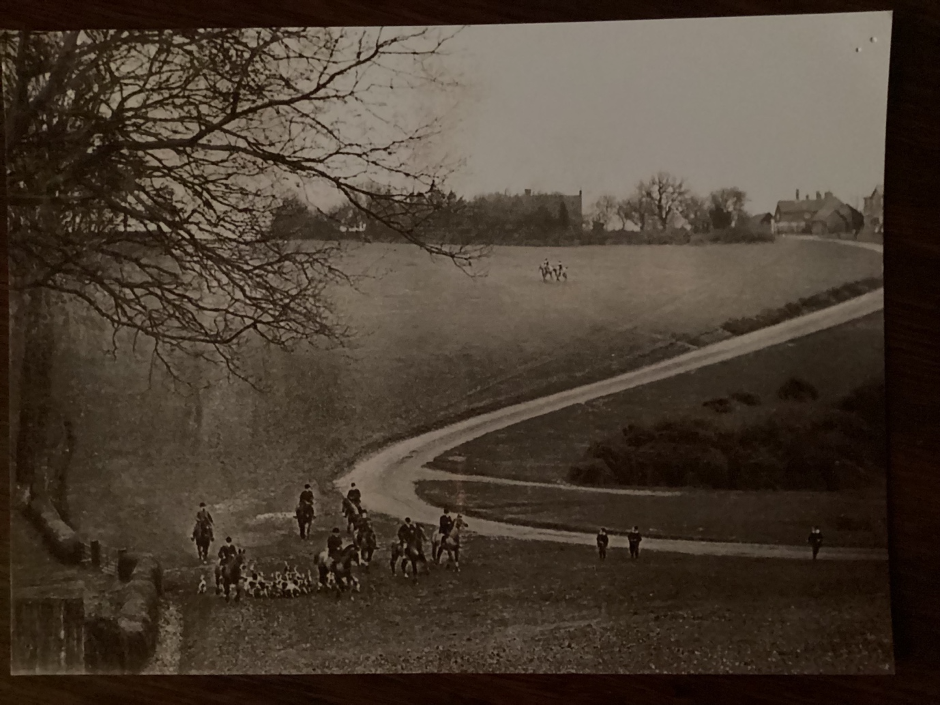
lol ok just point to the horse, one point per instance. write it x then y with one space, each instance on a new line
560 273
451 544
411 554
367 542
305 518
340 570
229 574
351 511
546 272
202 535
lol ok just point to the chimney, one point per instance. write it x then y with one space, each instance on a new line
797 194
828 194
528 192
818 196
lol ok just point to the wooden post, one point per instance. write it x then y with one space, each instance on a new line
95 548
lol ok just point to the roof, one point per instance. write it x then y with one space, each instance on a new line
820 209
802 206
830 205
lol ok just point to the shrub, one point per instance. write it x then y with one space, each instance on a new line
798 390
746 398
721 405
592 471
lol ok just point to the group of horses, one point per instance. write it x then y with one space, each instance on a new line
557 272
405 555
232 578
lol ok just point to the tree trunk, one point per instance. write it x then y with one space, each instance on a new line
35 388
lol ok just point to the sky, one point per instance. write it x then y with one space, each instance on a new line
768 104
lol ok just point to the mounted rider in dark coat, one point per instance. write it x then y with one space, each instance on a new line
203 519
334 547
227 551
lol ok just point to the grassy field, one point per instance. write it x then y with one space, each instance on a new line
512 609
543 449
429 342
855 519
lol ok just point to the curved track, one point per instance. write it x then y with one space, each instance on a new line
388 477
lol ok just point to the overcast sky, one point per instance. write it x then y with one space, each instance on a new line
769 104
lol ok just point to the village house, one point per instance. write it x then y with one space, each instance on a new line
872 210
761 223
823 215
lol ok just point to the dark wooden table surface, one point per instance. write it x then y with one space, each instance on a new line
911 275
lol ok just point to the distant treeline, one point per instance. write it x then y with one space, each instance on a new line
493 219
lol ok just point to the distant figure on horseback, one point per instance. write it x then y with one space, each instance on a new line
451 543
305 512
352 507
202 532
560 272
408 547
545 269
229 570
365 539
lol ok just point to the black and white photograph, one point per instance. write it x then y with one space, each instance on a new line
534 348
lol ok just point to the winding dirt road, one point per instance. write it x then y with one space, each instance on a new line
387 478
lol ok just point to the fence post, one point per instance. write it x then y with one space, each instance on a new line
95 548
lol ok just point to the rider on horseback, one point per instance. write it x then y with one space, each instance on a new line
227 551
307 496
406 534
334 546
445 525
354 496
204 520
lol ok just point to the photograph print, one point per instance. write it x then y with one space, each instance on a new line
548 348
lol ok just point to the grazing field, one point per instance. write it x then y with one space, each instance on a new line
429 343
851 519
558 609
835 361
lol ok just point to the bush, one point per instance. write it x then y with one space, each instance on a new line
832 448
798 390
721 405
591 471
746 398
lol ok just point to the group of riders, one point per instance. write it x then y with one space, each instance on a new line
557 272
334 562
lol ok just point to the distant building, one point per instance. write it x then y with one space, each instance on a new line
761 223
872 211
822 215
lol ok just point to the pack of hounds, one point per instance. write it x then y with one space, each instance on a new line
332 566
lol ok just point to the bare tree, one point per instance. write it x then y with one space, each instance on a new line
604 209
637 210
695 210
144 168
664 195
727 207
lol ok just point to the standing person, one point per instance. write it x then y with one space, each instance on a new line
815 540
633 540
602 541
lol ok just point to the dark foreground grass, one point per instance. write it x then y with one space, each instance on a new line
539 607
848 519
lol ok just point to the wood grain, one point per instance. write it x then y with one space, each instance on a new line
911 259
